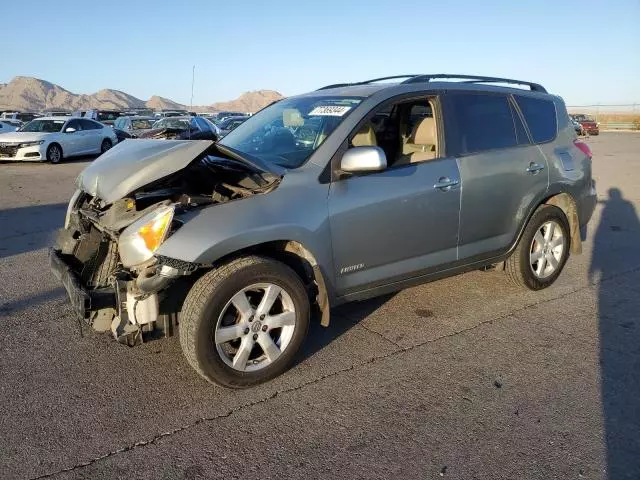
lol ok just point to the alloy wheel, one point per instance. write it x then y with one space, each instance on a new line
54 154
255 327
547 249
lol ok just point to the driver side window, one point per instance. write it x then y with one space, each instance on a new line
405 130
75 124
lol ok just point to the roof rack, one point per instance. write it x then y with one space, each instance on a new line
365 82
535 87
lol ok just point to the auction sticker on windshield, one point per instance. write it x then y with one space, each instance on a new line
330 110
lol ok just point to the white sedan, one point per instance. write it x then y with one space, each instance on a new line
56 138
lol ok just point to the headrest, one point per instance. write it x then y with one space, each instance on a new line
365 137
425 132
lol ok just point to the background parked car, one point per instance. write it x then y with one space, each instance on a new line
22 116
171 113
103 116
183 128
56 138
11 121
579 129
589 125
221 116
228 124
6 128
56 113
132 126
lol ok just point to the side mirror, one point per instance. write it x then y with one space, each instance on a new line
363 159
69 130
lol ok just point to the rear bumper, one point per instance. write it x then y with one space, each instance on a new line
83 301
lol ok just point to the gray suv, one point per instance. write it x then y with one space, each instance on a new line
341 194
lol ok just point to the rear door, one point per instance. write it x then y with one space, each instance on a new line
503 173
93 136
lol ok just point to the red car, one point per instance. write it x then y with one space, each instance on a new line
588 124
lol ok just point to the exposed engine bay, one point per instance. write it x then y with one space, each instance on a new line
105 254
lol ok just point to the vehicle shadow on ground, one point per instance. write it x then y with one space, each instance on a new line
86 158
619 326
28 302
342 320
29 228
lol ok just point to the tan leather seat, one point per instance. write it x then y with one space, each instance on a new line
366 137
422 143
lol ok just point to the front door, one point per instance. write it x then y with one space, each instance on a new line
391 225
73 143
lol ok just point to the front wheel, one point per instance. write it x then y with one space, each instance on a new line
243 323
54 153
542 251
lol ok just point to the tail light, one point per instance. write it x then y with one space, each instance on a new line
584 148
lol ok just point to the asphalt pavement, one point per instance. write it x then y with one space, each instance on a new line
468 377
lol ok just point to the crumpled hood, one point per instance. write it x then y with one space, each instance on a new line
132 164
12 137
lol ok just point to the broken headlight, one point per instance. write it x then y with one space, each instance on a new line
143 237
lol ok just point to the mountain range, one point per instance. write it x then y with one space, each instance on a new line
30 94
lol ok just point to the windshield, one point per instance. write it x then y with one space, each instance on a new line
289 131
172 122
140 124
47 126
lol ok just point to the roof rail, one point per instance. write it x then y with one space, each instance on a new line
535 87
365 82
415 78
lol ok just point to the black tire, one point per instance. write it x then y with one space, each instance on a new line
518 265
54 153
101 276
106 145
205 303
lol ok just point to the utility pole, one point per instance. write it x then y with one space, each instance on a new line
193 79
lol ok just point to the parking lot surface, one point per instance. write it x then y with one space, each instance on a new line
468 377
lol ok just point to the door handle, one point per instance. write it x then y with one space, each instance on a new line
534 168
445 184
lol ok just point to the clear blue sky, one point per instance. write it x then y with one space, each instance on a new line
587 51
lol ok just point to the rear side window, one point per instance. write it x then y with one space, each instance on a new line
483 122
89 125
540 116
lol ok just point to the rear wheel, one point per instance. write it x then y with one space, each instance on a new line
54 153
542 251
243 323
106 145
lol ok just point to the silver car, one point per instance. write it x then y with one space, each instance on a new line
341 194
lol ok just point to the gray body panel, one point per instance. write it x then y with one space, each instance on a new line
381 231
390 224
497 196
296 210
569 167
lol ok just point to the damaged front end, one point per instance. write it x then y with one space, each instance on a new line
123 211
